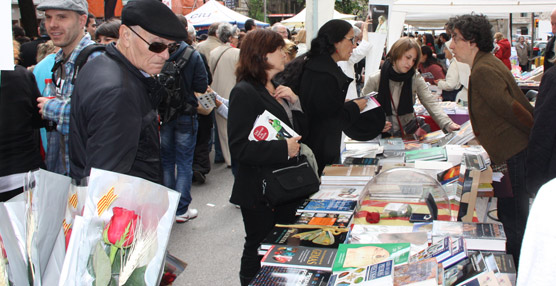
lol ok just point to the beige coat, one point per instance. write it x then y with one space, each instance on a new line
422 91
206 46
222 62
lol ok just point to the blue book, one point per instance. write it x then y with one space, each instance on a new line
328 206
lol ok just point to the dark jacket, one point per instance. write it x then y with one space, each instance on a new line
500 114
541 152
114 123
247 101
323 92
19 122
193 74
549 53
28 51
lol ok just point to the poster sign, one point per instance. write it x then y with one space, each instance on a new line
379 15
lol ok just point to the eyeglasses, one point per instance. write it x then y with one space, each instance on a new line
352 40
457 38
158 47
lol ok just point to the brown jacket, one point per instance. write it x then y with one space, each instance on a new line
500 114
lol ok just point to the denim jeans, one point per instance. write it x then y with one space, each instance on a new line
177 146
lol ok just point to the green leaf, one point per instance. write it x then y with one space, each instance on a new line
101 266
137 278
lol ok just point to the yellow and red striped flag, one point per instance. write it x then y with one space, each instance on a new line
106 201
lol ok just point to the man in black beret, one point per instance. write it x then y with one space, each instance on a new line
114 123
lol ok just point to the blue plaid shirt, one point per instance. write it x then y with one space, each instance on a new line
58 110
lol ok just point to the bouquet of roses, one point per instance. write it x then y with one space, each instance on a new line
121 238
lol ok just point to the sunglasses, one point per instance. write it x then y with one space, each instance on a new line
158 47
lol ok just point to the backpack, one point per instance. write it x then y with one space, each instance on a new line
173 102
81 60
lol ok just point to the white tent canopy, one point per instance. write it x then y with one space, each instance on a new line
299 19
213 11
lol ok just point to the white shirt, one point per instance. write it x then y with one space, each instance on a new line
347 67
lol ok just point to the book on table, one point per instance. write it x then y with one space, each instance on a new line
360 255
435 153
360 161
314 258
422 273
351 175
268 127
468 182
366 234
392 144
459 137
328 206
324 219
349 193
379 274
501 263
289 276
447 251
310 237
478 236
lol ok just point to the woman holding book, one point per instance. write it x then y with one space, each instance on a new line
398 82
261 58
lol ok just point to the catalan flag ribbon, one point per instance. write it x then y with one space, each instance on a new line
66 226
72 201
106 201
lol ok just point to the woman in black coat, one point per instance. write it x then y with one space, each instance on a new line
323 90
261 57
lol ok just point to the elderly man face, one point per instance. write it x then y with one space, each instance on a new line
553 21
283 31
134 44
65 28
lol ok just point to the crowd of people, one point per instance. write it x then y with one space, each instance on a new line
130 104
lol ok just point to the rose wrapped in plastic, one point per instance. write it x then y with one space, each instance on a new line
120 231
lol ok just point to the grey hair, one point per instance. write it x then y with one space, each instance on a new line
224 32
191 31
276 26
356 31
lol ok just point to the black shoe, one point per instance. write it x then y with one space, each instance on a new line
199 177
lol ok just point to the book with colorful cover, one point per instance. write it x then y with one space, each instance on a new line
323 219
422 273
289 276
360 255
440 250
478 236
379 274
449 175
328 206
268 127
458 252
435 153
360 161
300 257
311 237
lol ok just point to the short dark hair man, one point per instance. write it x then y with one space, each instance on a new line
91 26
28 51
65 22
114 122
500 115
250 25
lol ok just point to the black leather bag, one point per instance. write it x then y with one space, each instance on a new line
287 183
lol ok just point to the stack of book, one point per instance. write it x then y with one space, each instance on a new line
459 137
347 175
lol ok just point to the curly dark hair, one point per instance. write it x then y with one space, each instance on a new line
474 28
330 33
252 65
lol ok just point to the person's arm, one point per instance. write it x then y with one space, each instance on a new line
451 81
200 81
57 110
431 103
371 84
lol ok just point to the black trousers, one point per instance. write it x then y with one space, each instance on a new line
513 212
258 222
201 160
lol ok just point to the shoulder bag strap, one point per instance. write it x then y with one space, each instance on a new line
397 117
213 69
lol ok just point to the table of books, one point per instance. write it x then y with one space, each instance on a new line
380 220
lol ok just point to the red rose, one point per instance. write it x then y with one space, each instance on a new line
121 228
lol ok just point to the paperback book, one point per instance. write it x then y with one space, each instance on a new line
300 257
361 255
328 206
392 144
350 193
310 237
423 273
380 274
324 219
478 236
435 153
207 100
288 276
360 161
268 127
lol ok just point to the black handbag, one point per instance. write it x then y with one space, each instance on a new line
289 182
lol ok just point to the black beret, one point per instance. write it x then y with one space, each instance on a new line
154 17
368 126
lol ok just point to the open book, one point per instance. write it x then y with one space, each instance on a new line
268 127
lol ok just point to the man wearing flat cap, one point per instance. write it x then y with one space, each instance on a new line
65 22
114 123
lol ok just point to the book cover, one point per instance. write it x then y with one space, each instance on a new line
350 193
458 252
310 237
328 206
207 100
300 257
392 157
392 144
360 255
424 272
441 250
380 274
482 279
360 161
435 153
332 171
505 264
268 127
478 236
324 219
448 176
288 276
